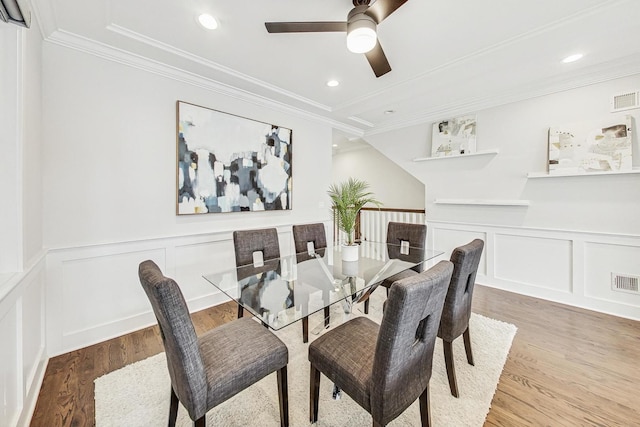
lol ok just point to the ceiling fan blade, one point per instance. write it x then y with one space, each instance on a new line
378 60
381 9
305 27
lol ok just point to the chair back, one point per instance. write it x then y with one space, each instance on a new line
406 339
186 369
246 242
305 233
415 234
457 305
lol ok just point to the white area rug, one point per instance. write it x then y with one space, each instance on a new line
138 394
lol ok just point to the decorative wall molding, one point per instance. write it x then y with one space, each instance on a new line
576 268
104 51
483 202
22 331
213 65
593 75
626 67
95 294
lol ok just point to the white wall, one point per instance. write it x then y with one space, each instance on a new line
22 293
31 178
576 230
10 143
110 157
110 184
391 184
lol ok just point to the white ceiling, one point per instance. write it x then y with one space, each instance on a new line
448 57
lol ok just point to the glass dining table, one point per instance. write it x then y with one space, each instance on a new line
282 291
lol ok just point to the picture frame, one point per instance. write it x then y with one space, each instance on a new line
453 137
601 145
228 163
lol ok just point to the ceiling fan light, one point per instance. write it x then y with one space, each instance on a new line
361 33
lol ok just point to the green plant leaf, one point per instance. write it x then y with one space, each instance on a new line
348 198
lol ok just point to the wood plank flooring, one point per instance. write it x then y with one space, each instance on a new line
567 366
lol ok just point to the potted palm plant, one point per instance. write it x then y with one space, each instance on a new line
348 198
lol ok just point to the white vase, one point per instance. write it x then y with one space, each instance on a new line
350 268
350 252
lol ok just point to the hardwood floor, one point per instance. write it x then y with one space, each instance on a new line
567 366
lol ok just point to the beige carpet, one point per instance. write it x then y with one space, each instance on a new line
138 394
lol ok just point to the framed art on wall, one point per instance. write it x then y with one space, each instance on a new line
454 136
228 163
595 146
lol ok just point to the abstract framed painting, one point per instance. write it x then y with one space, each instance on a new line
590 147
454 136
228 163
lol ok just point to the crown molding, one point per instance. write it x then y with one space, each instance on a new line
625 67
104 51
361 121
213 65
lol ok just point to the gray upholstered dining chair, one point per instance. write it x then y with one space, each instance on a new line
386 367
457 305
397 232
247 242
207 370
302 235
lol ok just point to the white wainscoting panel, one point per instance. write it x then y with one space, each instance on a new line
22 348
602 259
10 367
94 294
33 337
534 261
570 267
451 238
94 288
194 260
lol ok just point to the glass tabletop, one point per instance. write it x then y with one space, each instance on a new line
282 291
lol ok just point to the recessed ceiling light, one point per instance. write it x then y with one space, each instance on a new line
208 21
333 83
572 58
335 145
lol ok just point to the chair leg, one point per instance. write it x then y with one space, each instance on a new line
327 315
366 306
240 311
173 409
283 396
314 394
451 371
425 408
305 329
201 422
467 346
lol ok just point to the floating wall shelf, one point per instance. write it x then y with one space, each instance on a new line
457 156
485 202
560 175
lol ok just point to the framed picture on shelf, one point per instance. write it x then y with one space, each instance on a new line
590 147
228 163
454 136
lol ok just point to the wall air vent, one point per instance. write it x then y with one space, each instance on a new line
15 12
625 101
625 283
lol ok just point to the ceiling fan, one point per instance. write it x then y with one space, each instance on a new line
360 26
